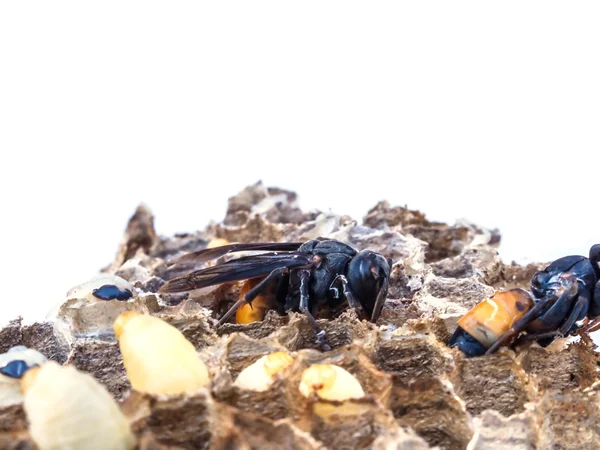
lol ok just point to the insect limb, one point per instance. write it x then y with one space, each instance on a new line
252 293
538 336
352 301
581 305
578 311
381 298
594 310
336 291
520 324
256 290
304 308
231 312
593 325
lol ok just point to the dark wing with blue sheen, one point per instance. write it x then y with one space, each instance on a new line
238 269
209 254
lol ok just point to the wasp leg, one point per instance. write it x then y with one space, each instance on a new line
252 294
593 325
519 325
256 290
580 307
540 308
594 310
304 308
352 301
231 312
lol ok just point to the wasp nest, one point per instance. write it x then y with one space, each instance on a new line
266 384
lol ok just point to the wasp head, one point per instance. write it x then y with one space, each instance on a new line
368 276
595 258
539 283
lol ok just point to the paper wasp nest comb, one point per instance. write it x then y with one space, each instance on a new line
394 384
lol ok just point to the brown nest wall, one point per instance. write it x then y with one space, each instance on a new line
420 393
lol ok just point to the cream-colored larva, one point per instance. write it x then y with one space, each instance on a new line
259 376
158 358
214 243
67 410
217 242
10 389
330 382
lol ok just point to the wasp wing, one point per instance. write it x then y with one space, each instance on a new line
237 269
209 254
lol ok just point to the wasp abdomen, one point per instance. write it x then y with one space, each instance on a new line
256 311
466 343
489 320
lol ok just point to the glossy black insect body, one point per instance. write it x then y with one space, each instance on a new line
564 293
308 274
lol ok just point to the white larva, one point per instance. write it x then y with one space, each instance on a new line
158 358
260 375
330 382
10 389
69 410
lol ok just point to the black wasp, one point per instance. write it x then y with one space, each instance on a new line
308 275
564 293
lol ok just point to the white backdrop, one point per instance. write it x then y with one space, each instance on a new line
461 109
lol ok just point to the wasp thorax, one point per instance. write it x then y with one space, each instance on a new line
67 409
260 375
157 357
330 382
491 318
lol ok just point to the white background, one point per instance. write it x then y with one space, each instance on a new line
487 111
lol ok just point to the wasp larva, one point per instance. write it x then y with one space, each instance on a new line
158 358
330 382
13 365
67 409
259 376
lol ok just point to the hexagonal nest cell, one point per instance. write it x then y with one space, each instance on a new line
419 393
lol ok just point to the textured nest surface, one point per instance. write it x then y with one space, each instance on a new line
420 393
